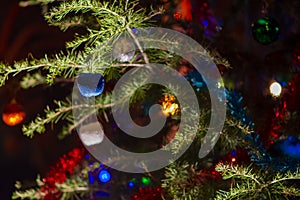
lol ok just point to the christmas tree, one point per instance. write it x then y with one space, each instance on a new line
160 100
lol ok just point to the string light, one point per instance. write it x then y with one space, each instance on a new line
146 181
104 176
169 107
131 184
275 89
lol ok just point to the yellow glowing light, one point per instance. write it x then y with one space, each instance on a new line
13 119
168 105
275 89
220 84
13 114
233 160
170 108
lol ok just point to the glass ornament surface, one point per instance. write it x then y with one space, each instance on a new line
123 49
265 30
91 133
13 114
90 84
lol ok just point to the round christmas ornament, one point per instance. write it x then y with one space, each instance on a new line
13 114
186 10
90 84
265 30
91 133
123 49
291 147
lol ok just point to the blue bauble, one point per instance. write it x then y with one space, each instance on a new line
90 85
291 147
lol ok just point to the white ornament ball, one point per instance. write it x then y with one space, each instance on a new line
91 133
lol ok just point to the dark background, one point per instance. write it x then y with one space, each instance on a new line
24 31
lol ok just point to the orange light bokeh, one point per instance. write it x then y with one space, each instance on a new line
168 105
13 114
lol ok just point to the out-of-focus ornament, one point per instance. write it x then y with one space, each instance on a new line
265 30
123 49
91 133
13 114
186 9
275 89
104 176
208 21
90 84
291 147
169 107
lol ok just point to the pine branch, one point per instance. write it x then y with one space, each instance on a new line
183 182
77 21
252 183
64 111
59 65
229 171
146 59
109 19
28 194
33 193
32 80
